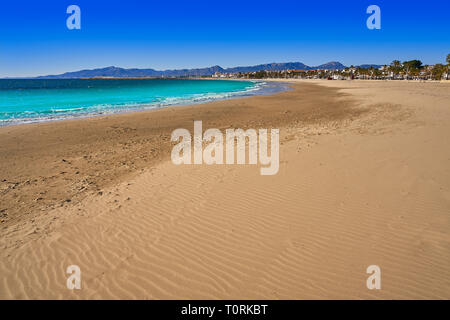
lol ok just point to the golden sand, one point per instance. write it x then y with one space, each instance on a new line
364 180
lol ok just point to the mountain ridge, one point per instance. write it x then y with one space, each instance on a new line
113 71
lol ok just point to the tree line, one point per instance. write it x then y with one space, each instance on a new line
412 69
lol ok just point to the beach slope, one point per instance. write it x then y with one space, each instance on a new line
364 180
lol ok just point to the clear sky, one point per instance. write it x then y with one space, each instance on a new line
167 34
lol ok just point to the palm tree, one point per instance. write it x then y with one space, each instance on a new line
448 64
396 66
437 71
370 71
396 63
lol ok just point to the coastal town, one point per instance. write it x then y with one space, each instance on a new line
407 70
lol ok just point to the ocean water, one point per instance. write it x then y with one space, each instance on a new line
34 100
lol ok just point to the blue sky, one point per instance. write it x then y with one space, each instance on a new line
34 39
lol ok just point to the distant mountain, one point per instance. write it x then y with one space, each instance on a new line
331 65
269 67
121 72
368 66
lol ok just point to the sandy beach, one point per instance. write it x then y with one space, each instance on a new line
364 179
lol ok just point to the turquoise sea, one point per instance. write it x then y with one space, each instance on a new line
34 100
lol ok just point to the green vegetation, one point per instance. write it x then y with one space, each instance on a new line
437 71
448 65
407 70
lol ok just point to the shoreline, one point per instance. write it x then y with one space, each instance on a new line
264 89
57 163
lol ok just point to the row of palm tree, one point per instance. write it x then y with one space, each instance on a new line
412 69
